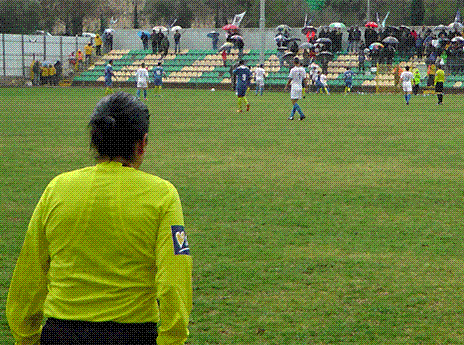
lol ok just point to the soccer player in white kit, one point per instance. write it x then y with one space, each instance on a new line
142 80
296 78
260 74
406 78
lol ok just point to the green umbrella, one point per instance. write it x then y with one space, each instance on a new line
337 25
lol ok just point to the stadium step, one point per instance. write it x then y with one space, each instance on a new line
65 83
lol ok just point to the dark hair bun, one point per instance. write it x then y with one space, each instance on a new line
105 123
118 122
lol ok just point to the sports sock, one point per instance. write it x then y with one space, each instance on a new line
326 90
261 88
138 93
406 98
346 89
257 89
239 101
409 97
246 101
440 97
144 93
349 89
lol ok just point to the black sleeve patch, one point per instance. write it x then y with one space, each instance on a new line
179 239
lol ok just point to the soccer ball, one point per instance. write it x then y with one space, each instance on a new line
213 89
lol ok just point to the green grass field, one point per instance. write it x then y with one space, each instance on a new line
343 228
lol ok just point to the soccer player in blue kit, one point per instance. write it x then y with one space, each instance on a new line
348 76
243 77
158 74
108 77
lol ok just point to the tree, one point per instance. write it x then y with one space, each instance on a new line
72 12
168 10
19 17
417 12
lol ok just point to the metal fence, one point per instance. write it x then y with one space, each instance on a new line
17 51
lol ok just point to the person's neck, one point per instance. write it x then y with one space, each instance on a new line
123 161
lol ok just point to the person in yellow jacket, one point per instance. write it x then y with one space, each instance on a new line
431 74
105 257
88 53
31 69
52 74
98 45
438 82
45 74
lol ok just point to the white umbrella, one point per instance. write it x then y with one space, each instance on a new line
175 28
109 31
160 27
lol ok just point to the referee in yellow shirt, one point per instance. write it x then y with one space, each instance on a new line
105 258
439 80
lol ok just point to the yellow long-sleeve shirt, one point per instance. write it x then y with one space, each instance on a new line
98 40
104 243
439 76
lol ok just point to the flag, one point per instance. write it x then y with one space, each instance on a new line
457 19
385 19
238 18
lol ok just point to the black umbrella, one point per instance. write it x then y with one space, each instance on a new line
293 39
282 48
390 39
323 40
305 30
288 58
306 45
212 34
325 53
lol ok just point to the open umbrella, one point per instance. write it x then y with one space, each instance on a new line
226 46
175 28
160 27
306 29
283 27
282 48
376 45
212 34
404 27
458 39
306 45
280 38
323 40
456 26
140 33
108 31
440 27
371 25
288 58
337 25
390 39
324 53
236 38
293 39
230 27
